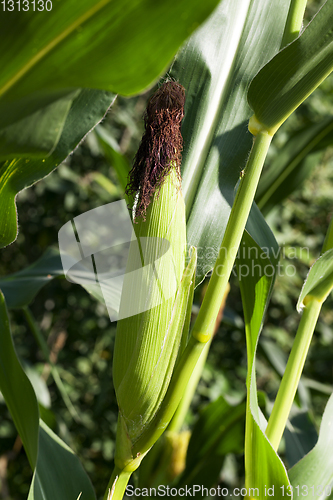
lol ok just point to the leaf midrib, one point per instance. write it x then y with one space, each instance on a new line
191 182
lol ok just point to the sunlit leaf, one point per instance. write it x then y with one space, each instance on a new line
293 74
120 46
319 281
216 66
38 134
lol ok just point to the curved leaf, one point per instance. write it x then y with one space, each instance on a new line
57 471
314 473
87 109
21 288
319 281
216 66
294 73
17 389
120 46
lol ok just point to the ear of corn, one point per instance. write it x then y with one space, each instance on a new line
146 346
130 453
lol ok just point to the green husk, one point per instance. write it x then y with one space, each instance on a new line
146 348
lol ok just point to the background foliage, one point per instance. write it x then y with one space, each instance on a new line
78 330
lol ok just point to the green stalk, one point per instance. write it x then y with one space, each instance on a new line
294 368
182 409
117 484
204 325
45 350
293 372
294 21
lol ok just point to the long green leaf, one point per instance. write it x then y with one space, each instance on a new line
87 109
256 273
215 66
21 288
57 471
293 74
120 46
17 390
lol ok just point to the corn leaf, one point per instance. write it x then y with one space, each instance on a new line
17 390
86 110
314 473
57 471
256 272
293 74
216 66
319 281
120 46
38 134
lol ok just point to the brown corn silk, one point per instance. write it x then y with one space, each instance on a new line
161 145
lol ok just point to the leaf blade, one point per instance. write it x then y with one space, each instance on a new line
86 45
216 139
87 109
57 471
294 73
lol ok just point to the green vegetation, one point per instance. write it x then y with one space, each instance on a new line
232 363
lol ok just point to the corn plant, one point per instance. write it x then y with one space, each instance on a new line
229 89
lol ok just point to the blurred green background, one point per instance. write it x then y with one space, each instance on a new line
78 330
